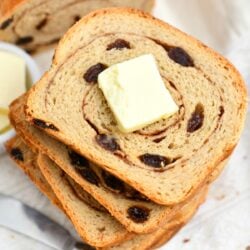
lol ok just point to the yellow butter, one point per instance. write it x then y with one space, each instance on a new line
136 93
12 78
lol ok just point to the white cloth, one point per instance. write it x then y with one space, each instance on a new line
223 222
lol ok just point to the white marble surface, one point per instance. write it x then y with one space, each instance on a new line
224 221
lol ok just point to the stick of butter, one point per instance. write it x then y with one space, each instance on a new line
136 93
12 78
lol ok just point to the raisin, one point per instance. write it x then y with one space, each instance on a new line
156 161
42 23
138 214
17 154
24 40
196 120
92 73
77 159
107 142
112 182
101 229
119 44
89 175
42 124
221 111
77 18
180 56
158 140
82 167
6 23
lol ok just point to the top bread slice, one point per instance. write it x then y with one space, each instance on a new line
35 23
168 160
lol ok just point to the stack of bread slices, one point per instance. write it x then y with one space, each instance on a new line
127 190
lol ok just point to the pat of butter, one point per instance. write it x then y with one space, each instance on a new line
136 93
12 78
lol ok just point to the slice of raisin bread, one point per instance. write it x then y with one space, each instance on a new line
26 160
168 160
35 23
111 192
